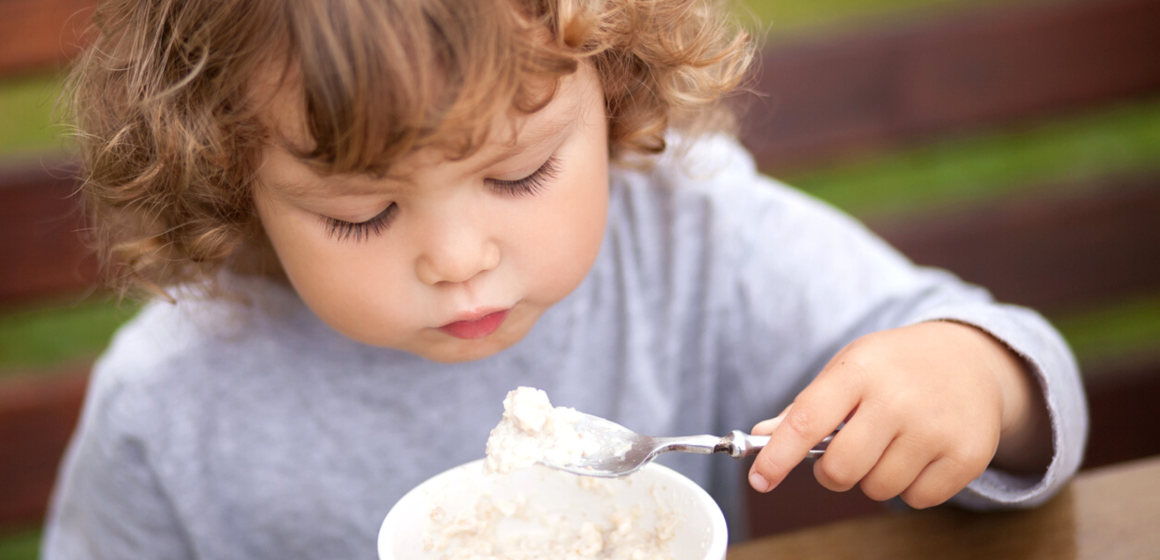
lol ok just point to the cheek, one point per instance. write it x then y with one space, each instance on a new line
338 282
570 232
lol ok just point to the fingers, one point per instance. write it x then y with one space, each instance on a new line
941 480
923 424
896 470
933 486
923 479
817 411
854 451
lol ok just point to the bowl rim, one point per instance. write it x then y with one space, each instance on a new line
719 530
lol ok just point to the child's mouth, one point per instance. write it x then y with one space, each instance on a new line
475 328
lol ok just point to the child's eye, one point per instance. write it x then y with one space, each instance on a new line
531 184
360 231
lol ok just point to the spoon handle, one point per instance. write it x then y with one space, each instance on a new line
739 444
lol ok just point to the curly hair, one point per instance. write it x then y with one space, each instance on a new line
170 134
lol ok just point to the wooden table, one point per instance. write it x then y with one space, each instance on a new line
1108 513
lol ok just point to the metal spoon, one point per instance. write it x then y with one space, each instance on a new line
623 452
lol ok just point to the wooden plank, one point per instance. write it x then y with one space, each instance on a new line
37 417
829 97
36 34
41 252
1050 253
1122 405
832 98
1105 514
1045 252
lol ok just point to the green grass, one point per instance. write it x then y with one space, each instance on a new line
26 104
26 115
24 545
793 17
1117 140
67 333
1114 333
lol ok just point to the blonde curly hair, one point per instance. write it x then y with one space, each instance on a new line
170 134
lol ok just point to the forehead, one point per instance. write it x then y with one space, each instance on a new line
283 113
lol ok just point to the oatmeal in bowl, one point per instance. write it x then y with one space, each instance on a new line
467 513
524 511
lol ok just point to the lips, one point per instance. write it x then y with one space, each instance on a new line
475 328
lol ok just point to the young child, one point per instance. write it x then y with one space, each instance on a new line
371 219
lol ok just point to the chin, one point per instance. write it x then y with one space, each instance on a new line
468 352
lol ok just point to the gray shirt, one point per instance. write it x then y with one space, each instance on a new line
251 430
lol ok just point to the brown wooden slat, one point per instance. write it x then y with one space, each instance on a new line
37 417
1046 252
1050 253
36 34
1122 403
830 98
41 253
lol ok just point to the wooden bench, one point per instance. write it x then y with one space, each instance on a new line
828 99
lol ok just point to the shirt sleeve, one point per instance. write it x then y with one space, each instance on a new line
108 503
811 279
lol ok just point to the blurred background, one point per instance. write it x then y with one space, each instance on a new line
1014 142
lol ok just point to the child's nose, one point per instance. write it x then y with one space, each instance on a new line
457 254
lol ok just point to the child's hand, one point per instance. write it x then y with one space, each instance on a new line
927 407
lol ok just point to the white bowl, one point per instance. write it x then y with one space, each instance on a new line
699 534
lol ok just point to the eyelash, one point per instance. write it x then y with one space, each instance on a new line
530 185
341 230
358 232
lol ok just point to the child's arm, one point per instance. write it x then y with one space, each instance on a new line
108 502
930 406
944 388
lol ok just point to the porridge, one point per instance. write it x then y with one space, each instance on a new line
518 529
548 514
532 431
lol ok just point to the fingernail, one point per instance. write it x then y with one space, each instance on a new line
758 482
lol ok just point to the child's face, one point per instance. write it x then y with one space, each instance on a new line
458 260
